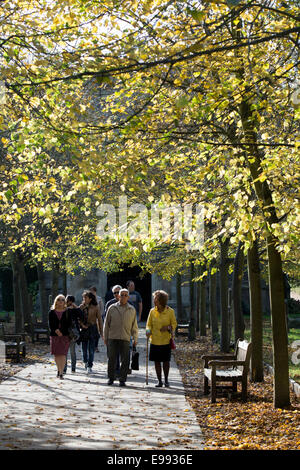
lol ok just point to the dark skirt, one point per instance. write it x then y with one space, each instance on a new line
160 353
59 345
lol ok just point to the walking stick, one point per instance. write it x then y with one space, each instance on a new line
147 360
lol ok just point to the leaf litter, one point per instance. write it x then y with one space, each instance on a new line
232 424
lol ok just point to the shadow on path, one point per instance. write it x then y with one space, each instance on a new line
39 411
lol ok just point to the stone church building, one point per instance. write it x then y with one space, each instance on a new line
145 286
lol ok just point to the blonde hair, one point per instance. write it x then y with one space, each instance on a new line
59 296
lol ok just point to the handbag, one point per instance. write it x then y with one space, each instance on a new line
135 359
84 335
73 334
172 344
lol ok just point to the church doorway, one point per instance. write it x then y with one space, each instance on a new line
142 284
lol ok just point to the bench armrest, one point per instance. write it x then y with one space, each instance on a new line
226 363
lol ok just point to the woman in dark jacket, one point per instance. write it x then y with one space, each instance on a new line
91 327
76 315
60 321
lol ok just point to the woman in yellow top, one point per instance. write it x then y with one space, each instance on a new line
160 328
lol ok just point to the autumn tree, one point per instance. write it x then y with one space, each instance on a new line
158 99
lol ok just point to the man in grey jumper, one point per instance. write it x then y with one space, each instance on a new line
120 324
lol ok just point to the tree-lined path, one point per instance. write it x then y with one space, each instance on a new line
124 125
38 411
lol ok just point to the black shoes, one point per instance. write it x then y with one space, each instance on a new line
122 384
160 384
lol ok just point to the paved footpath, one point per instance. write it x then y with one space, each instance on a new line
81 412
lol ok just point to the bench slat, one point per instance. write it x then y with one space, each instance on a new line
235 373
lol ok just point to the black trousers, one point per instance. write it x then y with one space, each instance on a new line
115 347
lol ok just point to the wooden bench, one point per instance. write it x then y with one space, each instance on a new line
15 345
227 368
40 334
40 331
182 326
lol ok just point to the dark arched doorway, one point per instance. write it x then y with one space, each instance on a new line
142 284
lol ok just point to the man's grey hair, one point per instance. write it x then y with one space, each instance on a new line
116 287
124 290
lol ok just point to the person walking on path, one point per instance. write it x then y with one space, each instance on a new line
135 299
60 321
116 292
160 327
93 289
120 324
91 325
76 315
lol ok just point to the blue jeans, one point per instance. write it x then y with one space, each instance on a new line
73 356
88 350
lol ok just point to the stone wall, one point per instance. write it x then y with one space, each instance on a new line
77 284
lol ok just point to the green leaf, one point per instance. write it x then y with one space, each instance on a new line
197 15
182 102
8 194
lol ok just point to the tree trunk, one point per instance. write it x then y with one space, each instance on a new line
65 289
192 329
279 327
276 281
202 304
213 305
192 292
239 324
263 192
180 318
198 300
16 291
25 297
43 294
229 306
55 281
225 341
257 370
